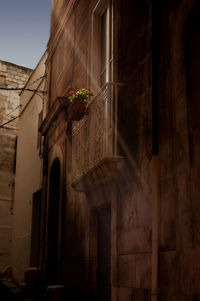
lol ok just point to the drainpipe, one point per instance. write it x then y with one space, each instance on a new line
155 243
155 163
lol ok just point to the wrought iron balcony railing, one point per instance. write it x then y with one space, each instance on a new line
95 136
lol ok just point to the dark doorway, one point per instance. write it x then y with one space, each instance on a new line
53 223
103 254
35 232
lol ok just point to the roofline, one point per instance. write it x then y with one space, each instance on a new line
15 65
33 71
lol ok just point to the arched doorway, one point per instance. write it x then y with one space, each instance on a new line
53 223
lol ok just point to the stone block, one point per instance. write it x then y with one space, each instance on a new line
126 272
195 221
166 296
5 219
135 240
31 288
140 294
181 151
196 270
133 61
169 271
166 161
149 37
130 19
143 270
75 272
195 147
189 261
5 262
3 68
21 254
32 277
184 187
165 126
55 293
144 209
181 113
195 188
125 293
165 92
5 239
186 234
168 213
93 271
128 212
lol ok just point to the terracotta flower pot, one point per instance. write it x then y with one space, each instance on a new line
77 110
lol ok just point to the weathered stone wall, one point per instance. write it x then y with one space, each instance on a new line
178 142
134 205
71 59
68 63
130 196
57 11
178 132
11 76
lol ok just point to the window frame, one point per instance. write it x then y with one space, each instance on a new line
101 7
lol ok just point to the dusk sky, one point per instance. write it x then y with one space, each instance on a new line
24 30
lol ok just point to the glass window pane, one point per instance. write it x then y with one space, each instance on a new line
103 45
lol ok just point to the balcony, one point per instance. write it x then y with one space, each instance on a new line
95 156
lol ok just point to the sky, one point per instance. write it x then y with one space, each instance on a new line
24 30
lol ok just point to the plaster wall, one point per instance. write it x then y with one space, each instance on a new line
11 76
28 170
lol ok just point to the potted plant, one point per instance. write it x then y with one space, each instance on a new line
79 102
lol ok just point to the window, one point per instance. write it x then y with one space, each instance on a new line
102 45
104 49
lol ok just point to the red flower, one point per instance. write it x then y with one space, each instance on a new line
71 92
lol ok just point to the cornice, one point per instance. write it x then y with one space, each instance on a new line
60 104
108 169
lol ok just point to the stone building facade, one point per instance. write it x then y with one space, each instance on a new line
176 86
11 76
96 216
120 196
28 184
